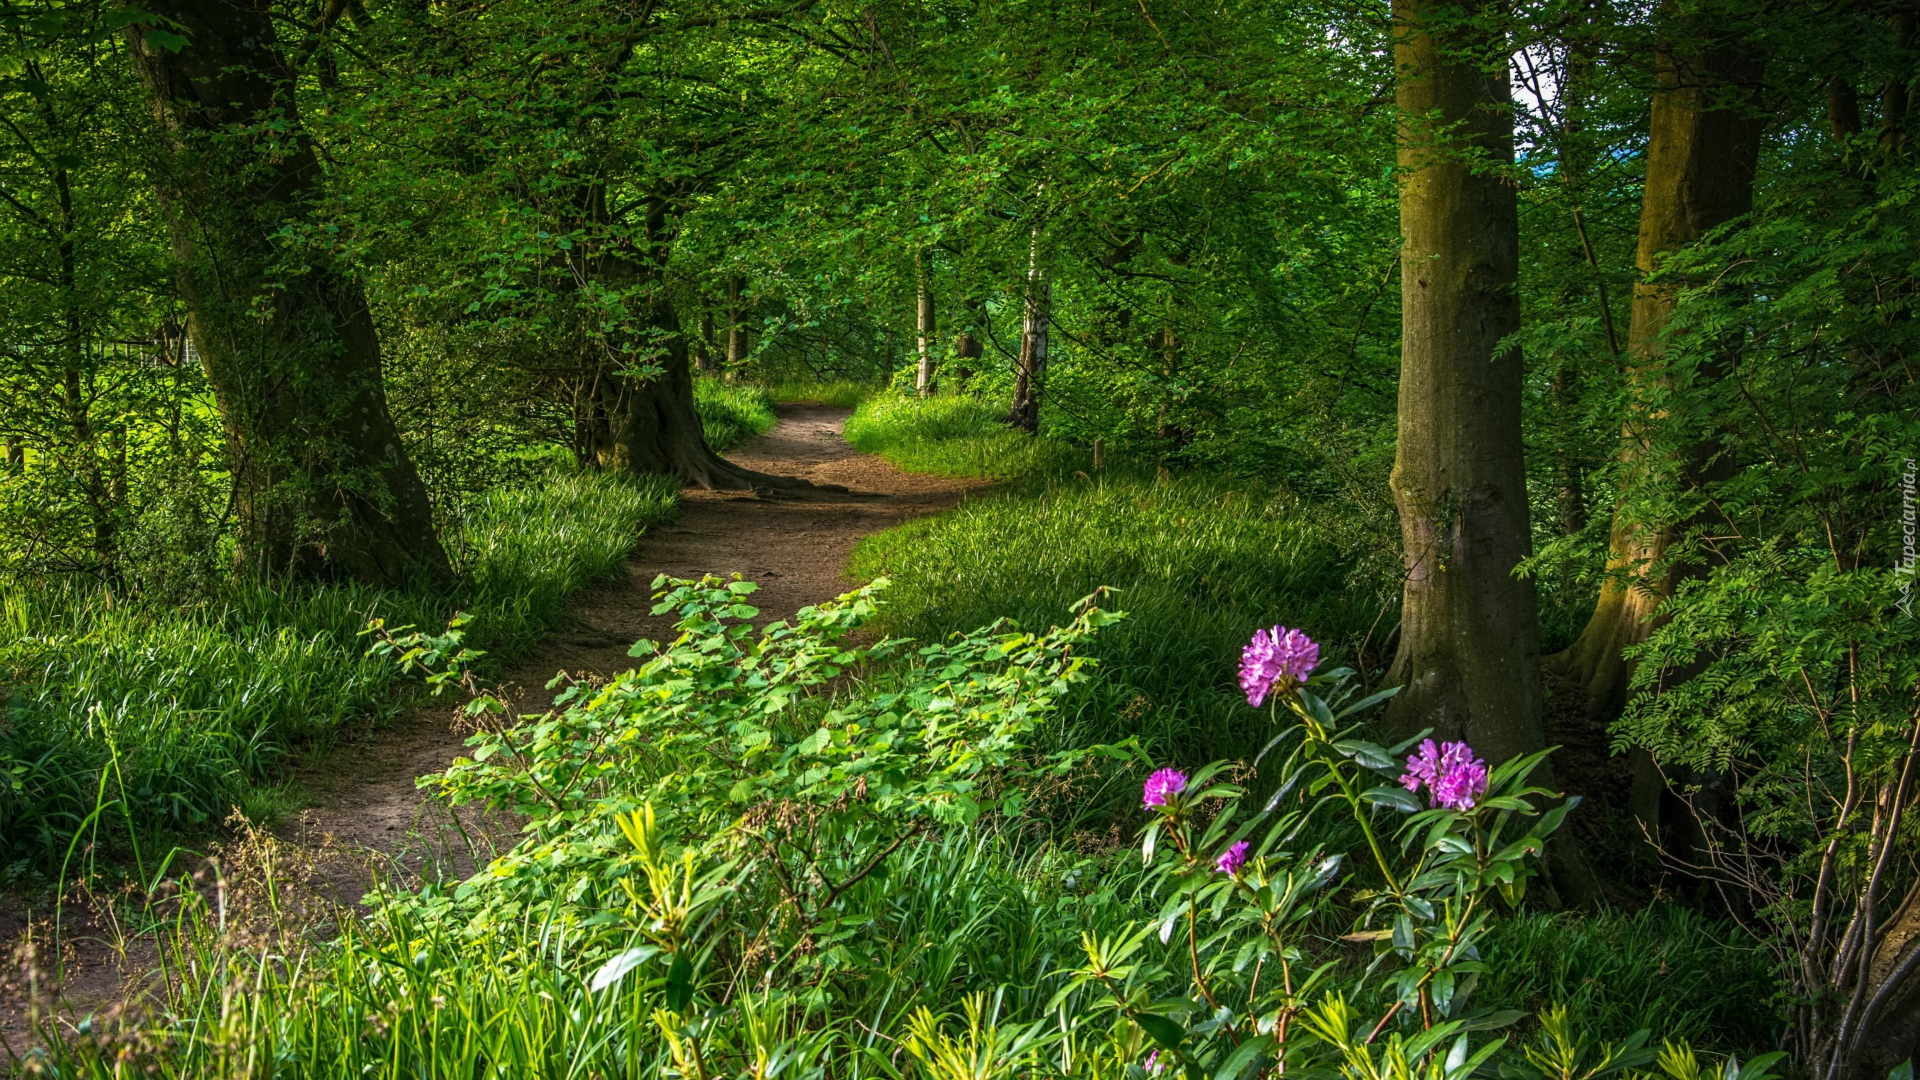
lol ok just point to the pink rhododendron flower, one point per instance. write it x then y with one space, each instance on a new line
1277 656
1163 785
1453 777
1232 859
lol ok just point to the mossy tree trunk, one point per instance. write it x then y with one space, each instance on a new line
322 484
1468 660
1701 156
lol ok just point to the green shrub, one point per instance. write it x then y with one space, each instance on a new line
171 716
768 854
731 413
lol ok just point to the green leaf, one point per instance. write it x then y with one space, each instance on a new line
164 39
611 971
1242 1056
1395 796
1162 1030
680 983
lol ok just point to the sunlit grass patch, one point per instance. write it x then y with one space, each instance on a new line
846 393
956 435
732 413
166 718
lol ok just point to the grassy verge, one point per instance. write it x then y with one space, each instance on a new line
1199 561
956 436
842 392
122 716
732 413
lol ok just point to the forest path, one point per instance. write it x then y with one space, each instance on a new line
368 816
797 549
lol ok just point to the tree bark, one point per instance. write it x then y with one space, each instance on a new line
1468 661
923 378
1702 153
967 346
1029 376
652 428
703 348
736 333
322 484
1889 1029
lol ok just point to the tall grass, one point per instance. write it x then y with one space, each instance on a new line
1199 561
956 435
845 393
1698 980
731 413
415 991
180 714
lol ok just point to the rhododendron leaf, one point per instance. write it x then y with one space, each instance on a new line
611 971
1370 755
1162 1030
1393 795
1243 1056
1367 702
680 983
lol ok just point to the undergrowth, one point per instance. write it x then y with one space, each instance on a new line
767 854
956 435
1196 558
731 413
845 393
160 719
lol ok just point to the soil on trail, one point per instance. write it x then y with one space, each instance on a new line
797 549
370 818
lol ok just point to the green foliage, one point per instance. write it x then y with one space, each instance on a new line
787 900
732 413
123 714
721 731
1198 560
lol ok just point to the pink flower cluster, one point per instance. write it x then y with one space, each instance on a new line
1453 777
1162 786
1278 656
1232 859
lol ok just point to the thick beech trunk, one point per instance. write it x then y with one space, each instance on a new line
652 428
1701 157
1029 377
923 320
1468 661
322 484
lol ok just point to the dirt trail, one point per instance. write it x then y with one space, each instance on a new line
366 805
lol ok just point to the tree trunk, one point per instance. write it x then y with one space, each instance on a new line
967 347
1468 660
1888 1031
322 484
1029 377
923 378
736 333
652 427
1703 149
703 348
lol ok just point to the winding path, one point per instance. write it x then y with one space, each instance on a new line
369 816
